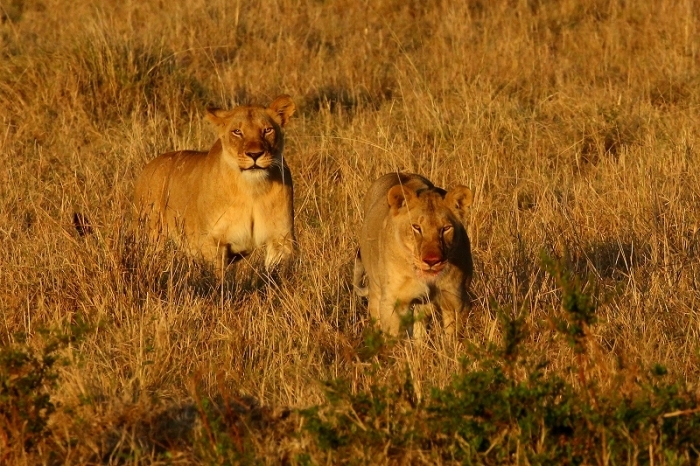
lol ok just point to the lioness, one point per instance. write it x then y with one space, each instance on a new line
414 249
224 203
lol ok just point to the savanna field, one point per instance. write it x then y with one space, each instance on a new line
574 122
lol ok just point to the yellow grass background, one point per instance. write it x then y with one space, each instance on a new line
575 122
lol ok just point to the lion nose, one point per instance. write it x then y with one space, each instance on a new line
432 259
254 155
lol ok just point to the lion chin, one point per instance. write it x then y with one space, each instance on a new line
431 274
256 173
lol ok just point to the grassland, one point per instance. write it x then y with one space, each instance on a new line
575 122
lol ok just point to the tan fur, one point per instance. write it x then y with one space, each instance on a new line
414 249
224 203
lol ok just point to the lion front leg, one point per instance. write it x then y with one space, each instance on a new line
392 313
216 254
279 252
373 298
422 312
451 306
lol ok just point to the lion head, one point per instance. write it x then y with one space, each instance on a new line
251 135
428 225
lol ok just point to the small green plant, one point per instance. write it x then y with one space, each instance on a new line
27 377
226 424
578 306
373 343
25 404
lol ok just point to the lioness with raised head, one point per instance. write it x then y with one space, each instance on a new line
236 197
414 249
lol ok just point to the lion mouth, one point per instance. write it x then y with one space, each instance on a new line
431 272
254 161
255 166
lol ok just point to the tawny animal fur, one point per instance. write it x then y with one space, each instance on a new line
414 249
238 196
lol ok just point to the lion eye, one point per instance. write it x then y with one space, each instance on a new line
416 228
268 130
446 229
237 132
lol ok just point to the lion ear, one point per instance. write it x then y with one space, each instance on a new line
219 118
282 109
459 198
399 196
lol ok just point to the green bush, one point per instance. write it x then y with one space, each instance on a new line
25 403
27 377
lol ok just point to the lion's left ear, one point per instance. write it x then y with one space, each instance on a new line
282 108
459 198
398 197
219 118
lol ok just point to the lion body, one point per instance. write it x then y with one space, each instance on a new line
224 203
414 249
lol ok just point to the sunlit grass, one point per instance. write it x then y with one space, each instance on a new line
574 122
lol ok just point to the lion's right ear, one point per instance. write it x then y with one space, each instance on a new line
398 197
282 108
218 117
459 198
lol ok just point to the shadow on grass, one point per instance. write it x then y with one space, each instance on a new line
341 99
611 259
171 274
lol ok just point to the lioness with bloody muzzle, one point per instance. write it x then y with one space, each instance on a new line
414 249
238 196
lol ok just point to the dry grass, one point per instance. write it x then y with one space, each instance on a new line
574 121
